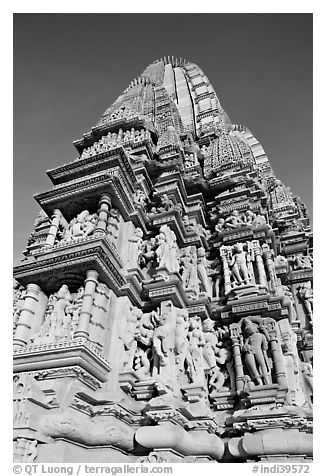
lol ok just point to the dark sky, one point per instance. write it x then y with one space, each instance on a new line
69 67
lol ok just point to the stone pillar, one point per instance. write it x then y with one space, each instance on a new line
238 367
260 264
53 228
87 304
24 324
100 309
103 214
226 270
276 351
267 253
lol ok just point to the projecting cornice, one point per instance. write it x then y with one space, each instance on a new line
84 192
90 165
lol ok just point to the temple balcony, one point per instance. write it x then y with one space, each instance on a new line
85 191
67 263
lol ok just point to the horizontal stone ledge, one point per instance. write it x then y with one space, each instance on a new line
62 354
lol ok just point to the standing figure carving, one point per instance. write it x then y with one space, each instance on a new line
135 246
254 352
180 341
61 309
164 334
189 275
75 310
202 269
128 334
166 251
195 358
306 296
238 264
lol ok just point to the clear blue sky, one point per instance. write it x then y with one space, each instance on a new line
69 67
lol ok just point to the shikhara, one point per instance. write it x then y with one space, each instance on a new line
163 309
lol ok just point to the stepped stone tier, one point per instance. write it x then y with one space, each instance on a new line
163 308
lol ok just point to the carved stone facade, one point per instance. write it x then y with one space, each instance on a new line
163 309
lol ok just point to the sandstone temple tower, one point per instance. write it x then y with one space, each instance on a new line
163 309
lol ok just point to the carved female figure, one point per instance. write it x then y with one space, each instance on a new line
306 295
167 249
211 341
142 363
128 335
189 270
135 245
61 304
196 342
164 334
202 267
180 339
162 251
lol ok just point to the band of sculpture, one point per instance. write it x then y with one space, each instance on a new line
163 310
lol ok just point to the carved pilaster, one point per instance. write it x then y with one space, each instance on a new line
87 304
50 239
226 270
103 213
238 367
267 253
24 325
259 264
276 351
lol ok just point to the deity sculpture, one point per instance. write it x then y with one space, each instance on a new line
218 273
164 334
134 249
202 269
180 340
166 251
306 296
292 369
210 343
61 316
307 375
286 291
238 264
254 352
142 363
195 357
148 254
75 310
61 310
128 334
113 226
188 266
